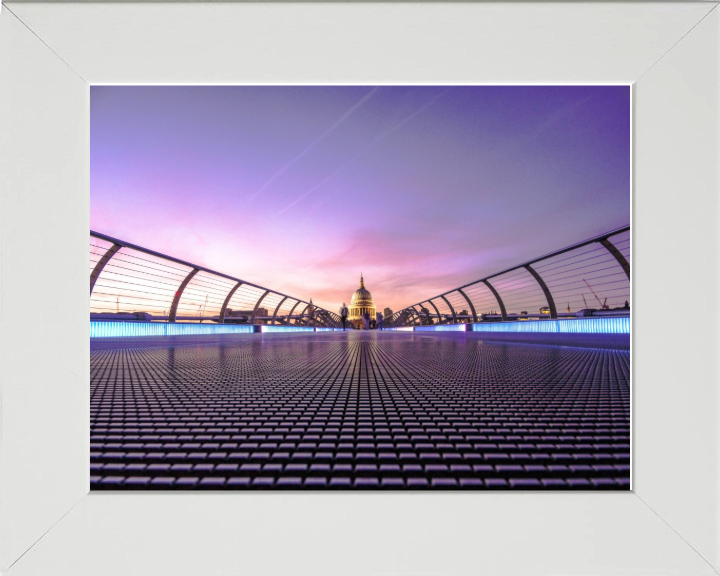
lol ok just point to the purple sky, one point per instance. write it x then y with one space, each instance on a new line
299 189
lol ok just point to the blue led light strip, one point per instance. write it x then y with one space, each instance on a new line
124 329
579 326
287 329
443 328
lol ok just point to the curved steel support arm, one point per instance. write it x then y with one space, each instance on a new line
499 300
617 255
179 293
302 314
221 320
410 314
439 318
272 322
100 264
451 309
417 315
405 317
291 311
257 304
472 308
545 289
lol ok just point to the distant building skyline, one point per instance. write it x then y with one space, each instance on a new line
278 184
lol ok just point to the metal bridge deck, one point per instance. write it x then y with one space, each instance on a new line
357 410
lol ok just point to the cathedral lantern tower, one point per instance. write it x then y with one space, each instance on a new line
360 303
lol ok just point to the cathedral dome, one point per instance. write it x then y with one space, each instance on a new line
361 302
361 296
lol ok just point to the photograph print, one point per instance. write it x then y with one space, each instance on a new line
360 288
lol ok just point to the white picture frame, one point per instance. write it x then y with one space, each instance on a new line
50 53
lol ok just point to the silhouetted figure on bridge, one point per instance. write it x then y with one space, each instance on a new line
366 320
379 317
343 314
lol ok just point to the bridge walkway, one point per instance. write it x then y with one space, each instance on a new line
370 410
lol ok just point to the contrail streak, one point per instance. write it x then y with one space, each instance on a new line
315 142
378 139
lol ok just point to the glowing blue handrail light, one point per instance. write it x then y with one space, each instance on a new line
443 328
131 329
287 329
579 326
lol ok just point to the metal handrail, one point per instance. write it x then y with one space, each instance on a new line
403 317
319 313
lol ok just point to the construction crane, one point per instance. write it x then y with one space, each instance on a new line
203 308
603 305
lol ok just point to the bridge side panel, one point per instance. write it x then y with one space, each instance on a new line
133 281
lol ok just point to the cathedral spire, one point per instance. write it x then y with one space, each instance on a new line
362 282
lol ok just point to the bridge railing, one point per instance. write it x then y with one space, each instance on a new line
591 277
129 281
